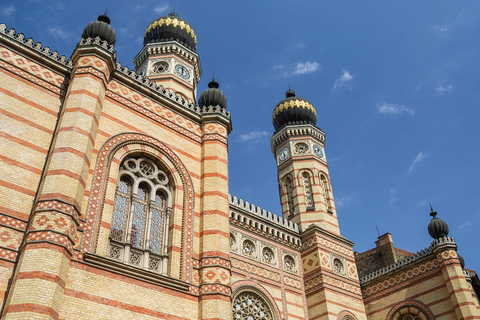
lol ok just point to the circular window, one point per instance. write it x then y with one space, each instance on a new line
248 248
337 266
233 241
288 263
267 255
160 67
301 148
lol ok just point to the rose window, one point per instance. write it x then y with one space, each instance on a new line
301 148
250 306
248 248
288 264
337 266
267 255
160 67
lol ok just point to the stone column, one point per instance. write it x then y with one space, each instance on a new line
215 292
39 281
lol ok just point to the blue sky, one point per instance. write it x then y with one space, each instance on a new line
395 86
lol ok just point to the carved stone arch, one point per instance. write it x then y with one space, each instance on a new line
346 315
244 286
410 306
104 183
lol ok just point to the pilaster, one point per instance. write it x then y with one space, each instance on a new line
39 281
215 291
463 302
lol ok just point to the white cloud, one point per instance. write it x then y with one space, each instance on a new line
59 33
161 8
253 135
419 157
392 197
442 89
344 78
394 109
8 11
305 67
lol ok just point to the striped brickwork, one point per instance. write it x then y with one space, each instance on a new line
214 272
330 290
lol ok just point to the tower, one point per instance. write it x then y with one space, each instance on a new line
329 271
169 56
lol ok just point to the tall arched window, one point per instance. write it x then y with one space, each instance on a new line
307 188
289 190
326 192
141 214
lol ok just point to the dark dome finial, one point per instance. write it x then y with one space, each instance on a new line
293 110
432 213
212 96
289 93
437 228
213 83
171 28
101 28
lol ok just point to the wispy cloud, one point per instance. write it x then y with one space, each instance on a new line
392 196
59 33
442 89
253 135
394 109
344 79
343 201
298 68
419 158
8 11
466 224
160 9
441 29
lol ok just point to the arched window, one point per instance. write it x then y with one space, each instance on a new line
326 192
307 188
250 305
289 190
141 214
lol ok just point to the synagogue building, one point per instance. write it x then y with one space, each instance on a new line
114 200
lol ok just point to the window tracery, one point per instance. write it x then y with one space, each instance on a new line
250 306
288 263
268 255
410 317
248 248
289 189
307 187
139 229
326 192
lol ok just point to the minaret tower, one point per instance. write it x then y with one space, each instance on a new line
169 56
330 277
298 146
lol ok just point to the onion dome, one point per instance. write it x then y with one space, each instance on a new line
437 228
295 110
171 28
462 261
102 29
212 96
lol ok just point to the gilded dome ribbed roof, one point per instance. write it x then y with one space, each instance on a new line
293 110
102 29
171 28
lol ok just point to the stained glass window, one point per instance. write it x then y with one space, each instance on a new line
249 305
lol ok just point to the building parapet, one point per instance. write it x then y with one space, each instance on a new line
262 213
29 43
409 259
